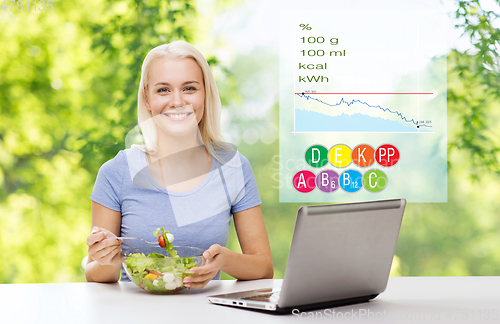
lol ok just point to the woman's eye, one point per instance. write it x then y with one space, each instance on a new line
190 88
160 90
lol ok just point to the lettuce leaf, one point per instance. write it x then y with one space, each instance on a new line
169 248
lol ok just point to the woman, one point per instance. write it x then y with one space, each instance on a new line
185 178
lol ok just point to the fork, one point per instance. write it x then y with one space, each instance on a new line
132 238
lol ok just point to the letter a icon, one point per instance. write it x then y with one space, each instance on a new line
302 181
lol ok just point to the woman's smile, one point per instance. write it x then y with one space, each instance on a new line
177 116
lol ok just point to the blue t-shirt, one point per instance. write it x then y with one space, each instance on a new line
199 217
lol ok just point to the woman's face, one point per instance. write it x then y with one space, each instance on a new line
176 94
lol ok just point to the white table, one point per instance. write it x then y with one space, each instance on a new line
406 300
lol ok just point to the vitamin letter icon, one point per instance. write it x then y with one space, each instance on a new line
317 156
363 155
340 156
304 181
327 181
387 155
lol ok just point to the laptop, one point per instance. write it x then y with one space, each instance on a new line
340 254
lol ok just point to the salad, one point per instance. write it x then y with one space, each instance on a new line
164 240
158 273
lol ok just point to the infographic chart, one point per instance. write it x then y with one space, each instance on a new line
362 103
354 115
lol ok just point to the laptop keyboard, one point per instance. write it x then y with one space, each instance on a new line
264 297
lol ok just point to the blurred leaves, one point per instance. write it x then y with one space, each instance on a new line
68 90
474 88
68 93
462 237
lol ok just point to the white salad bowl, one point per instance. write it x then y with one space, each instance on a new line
152 268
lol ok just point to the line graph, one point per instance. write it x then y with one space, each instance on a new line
313 115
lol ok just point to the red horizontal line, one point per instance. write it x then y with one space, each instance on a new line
364 93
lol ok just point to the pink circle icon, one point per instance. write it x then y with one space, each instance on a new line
304 181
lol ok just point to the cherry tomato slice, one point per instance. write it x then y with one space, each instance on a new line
161 241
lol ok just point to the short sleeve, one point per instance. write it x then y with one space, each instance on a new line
248 196
107 187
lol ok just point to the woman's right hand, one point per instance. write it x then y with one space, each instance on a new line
104 252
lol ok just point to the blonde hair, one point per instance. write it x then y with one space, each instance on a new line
209 125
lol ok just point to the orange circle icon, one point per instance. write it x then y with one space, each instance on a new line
363 155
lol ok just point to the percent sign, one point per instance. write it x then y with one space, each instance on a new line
305 26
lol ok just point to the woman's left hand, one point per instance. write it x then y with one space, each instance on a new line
214 259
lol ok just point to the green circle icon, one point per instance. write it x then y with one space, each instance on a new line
374 180
317 156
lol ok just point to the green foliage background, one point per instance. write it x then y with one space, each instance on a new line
68 93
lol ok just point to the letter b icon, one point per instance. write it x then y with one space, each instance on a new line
327 181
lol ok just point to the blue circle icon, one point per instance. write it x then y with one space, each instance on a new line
351 180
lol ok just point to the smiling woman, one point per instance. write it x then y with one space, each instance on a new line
185 178
178 94
180 65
